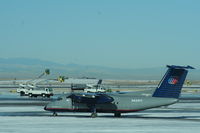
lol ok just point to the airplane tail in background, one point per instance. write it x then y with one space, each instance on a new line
99 82
171 84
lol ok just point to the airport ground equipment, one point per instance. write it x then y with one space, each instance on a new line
44 92
88 88
30 88
97 88
167 93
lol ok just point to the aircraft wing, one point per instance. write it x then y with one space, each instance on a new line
91 98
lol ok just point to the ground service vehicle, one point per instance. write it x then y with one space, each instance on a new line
34 92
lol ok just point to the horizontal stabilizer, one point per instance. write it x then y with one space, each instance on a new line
180 67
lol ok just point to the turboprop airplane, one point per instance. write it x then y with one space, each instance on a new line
166 93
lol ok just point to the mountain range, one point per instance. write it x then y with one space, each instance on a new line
22 68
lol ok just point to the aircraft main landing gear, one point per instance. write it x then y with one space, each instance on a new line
93 110
117 114
55 114
94 114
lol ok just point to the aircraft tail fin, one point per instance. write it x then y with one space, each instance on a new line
99 82
171 84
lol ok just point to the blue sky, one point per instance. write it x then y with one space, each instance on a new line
114 33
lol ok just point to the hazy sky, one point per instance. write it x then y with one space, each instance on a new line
114 33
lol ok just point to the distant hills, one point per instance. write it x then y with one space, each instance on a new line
22 68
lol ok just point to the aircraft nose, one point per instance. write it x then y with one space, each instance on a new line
45 107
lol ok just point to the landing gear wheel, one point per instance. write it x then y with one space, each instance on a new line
55 114
93 115
30 95
117 114
93 110
43 95
22 93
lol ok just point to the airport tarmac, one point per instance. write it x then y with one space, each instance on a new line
180 117
26 115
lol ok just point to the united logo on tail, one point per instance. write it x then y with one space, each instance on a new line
173 80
